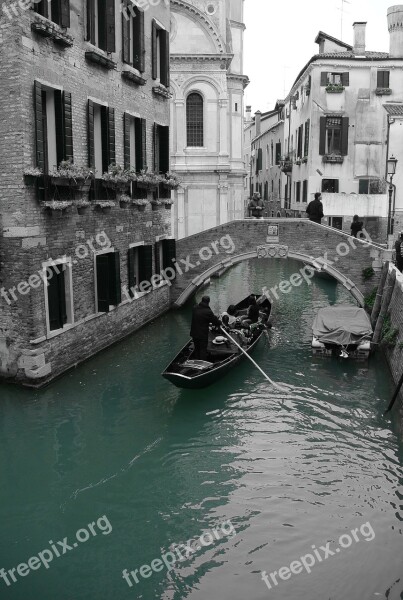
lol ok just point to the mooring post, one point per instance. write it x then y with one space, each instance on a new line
387 296
378 300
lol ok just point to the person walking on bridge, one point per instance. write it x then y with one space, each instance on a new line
315 209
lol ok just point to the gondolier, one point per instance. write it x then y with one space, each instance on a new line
202 318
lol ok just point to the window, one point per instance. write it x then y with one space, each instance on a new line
161 149
236 106
267 156
133 48
300 134
101 137
57 11
140 268
383 79
259 161
53 125
160 54
278 153
336 222
330 186
306 141
305 191
101 24
371 186
58 295
134 142
164 255
335 79
334 135
298 191
108 280
195 120
272 154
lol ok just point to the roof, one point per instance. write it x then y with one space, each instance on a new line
322 35
394 109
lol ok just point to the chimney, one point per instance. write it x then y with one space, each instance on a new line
248 114
258 120
395 26
359 37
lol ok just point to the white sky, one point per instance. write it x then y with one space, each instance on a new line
279 39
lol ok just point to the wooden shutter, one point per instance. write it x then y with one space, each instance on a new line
138 40
336 186
164 41
157 257
363 186
111 137
127 120
300 138
59 121
163 144
64 19
91 21
156 166
110 26
345 79
307 133
305 191
131 265
344 135
102 262
140 138
42 8
57 299
169 253
126 20
91 135
105 139
39 132
322 138
383 79
154 46
115 292
145 263
278 153
323 78
68 126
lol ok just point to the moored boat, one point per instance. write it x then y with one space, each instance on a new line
184 372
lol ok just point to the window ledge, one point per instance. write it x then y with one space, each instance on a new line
383 91
99 57
161 90
49 29
131 74
333 158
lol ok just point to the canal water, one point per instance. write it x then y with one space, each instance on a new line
306 486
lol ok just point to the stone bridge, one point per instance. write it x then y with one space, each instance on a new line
213 251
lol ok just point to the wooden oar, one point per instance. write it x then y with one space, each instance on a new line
253 362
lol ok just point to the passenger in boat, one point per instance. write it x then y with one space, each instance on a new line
229 316
253 313
202 318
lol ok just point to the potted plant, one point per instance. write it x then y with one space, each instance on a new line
70 175
105 206
82 206
334 88
148 180
117 178
139 203
57 206
171 181
31 175
156 203
168 203
124 201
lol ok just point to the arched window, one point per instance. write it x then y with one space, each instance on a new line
194 120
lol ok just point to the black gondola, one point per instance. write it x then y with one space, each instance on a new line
184 372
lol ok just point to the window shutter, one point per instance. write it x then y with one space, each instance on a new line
344 135
323 78
127 119
139 132
103 282
68 126
39 133
57 299
64 18
322 138
111 137
126 19
154 50
62 296
363 186
163 144
131 276
145 263
115 283
156 161
59 121
169 253
345 79
164 35
383 79
307 134
157 257
336 186
278 153
90 21
110 26
138 40
144 142
91 137
42 8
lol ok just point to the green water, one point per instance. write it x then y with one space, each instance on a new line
285 472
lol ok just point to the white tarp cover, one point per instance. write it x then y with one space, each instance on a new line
342 325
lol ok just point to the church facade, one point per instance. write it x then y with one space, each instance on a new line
207 83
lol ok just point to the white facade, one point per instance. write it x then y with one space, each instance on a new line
207 61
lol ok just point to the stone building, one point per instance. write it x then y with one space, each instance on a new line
88 82
207 83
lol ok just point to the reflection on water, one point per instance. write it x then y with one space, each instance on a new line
290 471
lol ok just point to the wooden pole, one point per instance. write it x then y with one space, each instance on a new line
378 300
392 402
387 296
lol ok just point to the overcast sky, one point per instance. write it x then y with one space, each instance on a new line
279 39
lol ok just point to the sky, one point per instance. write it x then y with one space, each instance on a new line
280 39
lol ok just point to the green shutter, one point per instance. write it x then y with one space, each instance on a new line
90 21
323 79
138 40
131 274
164 41
154 47
344 135
105 139
278 153
39 132
91 135
345 79
126 19
145 263
383 79
157 257
163 144
115 291
156 161
102 265
59 120
68 126
110 26
111 136
322 138
169 253
64 18
127 119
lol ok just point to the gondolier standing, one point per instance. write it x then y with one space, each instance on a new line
202 318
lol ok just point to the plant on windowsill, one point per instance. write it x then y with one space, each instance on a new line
104 206
148 180
117 178
124 201
383 91
168 203
57 206
31 175
333 158
70 175
139 203
171 181
82 206
156 203
334 88
304 159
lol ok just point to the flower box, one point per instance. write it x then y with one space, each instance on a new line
160 90
168 205
156 205
57 206
140 207
62 39
334 89
133 77
30 180
383 91
60 181
43 29
104 206
333 158
100 59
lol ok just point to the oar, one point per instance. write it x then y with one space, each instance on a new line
253 362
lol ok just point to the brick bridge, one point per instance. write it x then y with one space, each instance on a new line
321 246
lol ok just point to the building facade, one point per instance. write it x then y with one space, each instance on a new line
84 82
207 83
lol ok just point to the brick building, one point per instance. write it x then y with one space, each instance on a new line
88 81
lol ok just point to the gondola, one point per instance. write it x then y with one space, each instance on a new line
184 372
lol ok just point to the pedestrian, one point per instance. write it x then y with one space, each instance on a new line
256 206
356 226
399 252
315 209
202 318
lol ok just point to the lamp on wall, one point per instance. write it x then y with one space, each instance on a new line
392 164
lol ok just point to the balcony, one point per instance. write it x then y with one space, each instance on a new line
336 159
